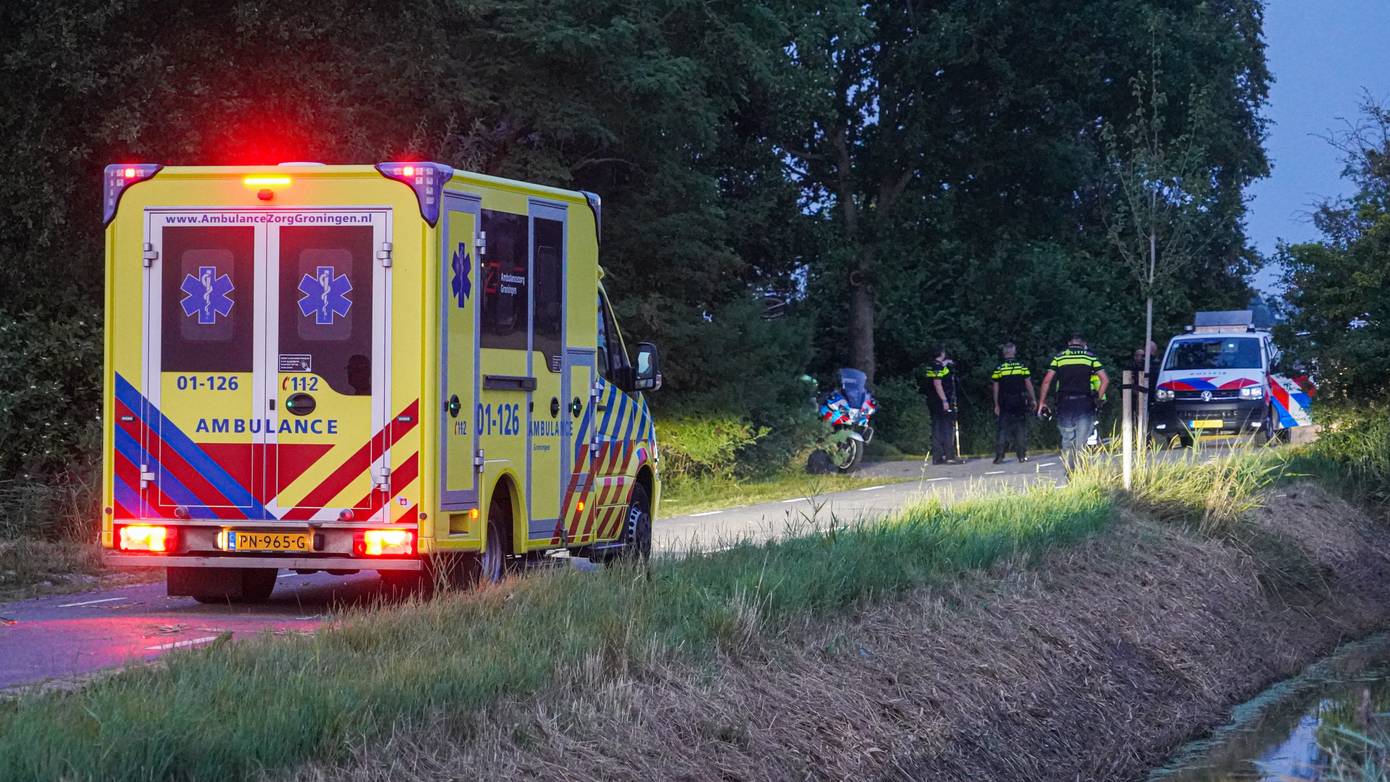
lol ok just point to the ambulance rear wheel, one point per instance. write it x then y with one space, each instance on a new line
491 564
256 584
223 585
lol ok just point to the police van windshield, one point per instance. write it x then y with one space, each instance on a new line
1215 353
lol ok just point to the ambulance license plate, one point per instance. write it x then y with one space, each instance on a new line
239 540
1207 424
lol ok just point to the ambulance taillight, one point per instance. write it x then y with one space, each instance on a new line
153 538
426 179
384 543
120 176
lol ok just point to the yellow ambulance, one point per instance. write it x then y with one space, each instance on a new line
346 368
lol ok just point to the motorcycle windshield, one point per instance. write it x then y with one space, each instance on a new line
855 386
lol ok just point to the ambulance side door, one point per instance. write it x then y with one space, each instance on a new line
458 346
547 421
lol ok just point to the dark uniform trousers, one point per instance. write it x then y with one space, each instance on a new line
943 435
1011 429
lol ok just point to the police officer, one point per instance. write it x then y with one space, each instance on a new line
1014 401
941 400
1073 369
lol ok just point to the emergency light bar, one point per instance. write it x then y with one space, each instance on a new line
426 179
120 176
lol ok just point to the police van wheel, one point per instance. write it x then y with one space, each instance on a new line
1270 436
637 527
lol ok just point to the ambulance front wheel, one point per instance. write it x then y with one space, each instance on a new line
637 526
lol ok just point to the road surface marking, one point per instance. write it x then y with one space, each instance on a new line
1049 464
706 513
91 602
181 644
942 478
870 488
796 499
995 472
286 575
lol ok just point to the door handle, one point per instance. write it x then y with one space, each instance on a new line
554 406
576 408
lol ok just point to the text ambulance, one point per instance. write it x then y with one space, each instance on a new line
1222 377
362 367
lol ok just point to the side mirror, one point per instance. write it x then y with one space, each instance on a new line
646 374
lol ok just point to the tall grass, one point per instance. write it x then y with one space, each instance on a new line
235 709
1212 491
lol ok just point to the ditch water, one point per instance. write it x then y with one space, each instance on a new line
1283 733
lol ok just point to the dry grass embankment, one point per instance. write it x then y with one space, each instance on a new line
945 642
1093 663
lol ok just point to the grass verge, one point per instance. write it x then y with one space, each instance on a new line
235 709
694 495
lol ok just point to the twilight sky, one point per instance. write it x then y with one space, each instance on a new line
1323 54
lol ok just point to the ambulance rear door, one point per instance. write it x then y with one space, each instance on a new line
193 422
330 422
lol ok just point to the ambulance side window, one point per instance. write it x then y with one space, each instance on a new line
505 280
208 286
610 348
549 314
325 317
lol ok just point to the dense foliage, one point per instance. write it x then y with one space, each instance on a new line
1339 288
903 173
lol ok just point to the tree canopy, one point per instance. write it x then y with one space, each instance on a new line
905 173
1338 290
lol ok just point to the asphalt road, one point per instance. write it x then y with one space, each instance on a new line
67 637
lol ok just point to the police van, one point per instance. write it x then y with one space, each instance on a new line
1222 376
346 368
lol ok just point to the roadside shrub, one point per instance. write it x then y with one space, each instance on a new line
50 392
902 420
1352 451
695 445
61 507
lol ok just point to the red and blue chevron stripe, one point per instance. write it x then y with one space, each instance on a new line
187 475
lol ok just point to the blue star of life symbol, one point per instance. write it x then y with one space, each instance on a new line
461 284
325 295
207 295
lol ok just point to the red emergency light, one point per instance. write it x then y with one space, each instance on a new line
426 179
384 543
120 176
152 538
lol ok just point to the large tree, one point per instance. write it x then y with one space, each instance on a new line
655 105
952 155
1338 289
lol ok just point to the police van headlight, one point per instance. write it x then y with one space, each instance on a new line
1163 394
1252 392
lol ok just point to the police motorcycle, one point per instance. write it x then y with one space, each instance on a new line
847 410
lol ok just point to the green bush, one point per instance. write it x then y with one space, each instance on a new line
902 420
704 444
1352 451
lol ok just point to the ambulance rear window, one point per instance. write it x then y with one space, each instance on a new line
326 303
208 287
